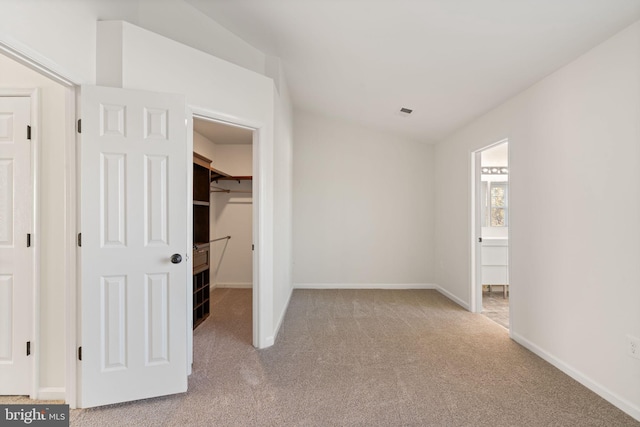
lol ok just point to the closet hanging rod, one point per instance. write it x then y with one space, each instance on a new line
219 189
226 190
220 238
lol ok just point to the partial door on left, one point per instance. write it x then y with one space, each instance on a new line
16 246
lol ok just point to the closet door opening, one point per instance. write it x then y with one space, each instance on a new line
223 213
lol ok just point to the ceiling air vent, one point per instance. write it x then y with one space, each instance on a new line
406 110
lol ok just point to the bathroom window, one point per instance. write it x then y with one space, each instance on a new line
495 201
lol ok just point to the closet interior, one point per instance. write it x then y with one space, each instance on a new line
222 211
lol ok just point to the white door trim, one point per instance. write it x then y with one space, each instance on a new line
260 278
476 227
72 208
36 62
475 284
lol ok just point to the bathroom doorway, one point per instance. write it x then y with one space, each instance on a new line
491 232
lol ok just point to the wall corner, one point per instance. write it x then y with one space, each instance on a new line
109 51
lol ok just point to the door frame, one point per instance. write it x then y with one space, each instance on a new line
34 106
258 212
27 57
475 284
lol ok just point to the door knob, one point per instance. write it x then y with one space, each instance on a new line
176 258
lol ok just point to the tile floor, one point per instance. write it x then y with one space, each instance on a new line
495 306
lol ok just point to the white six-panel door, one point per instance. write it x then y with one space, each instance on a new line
16 258
134 169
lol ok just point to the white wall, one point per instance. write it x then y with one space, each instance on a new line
61 34
495 156
231 214
51 346
283 201
234 159
575 234
363 205
69 46
203 146
185 24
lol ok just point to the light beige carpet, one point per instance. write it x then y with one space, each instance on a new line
364 358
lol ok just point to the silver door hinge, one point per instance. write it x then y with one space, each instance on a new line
28 348
80 239
29 240
79 125
28 132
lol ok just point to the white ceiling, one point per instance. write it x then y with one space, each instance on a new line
497 155
220 133
448 60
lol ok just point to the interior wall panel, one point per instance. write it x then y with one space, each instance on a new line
6 127
156 197
6 319
113 209
114 322
155 123
157 318
6 202
112 120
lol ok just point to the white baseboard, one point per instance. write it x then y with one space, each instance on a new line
365 286
453 298
268 342
281 319
383 286
235 285
51 393
592 385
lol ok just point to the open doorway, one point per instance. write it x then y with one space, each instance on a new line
491 238
223 229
